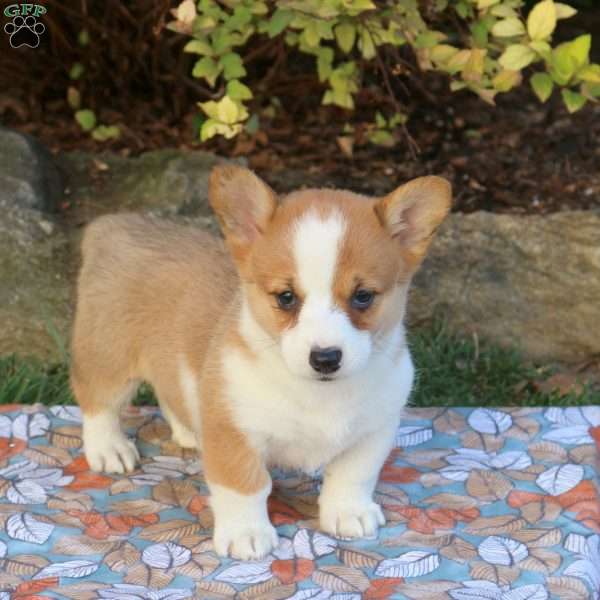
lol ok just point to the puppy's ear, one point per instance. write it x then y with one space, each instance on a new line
412 213
243 203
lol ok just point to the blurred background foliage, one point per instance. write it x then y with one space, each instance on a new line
240 61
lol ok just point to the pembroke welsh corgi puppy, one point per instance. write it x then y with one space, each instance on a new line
285 345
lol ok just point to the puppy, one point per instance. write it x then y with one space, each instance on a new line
285 345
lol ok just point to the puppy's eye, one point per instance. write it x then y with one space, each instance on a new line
362 299
286 300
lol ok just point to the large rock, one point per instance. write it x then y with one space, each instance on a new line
28 176
526 281
164 182
35 278
39 256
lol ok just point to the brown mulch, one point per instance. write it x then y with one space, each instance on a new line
517 157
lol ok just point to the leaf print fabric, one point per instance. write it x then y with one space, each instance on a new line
494 504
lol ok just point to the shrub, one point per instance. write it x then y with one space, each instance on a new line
486 46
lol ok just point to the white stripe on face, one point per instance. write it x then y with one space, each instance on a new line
316 246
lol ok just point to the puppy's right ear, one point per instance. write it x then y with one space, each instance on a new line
244 205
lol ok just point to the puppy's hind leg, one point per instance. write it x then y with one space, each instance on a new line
106 446
181 435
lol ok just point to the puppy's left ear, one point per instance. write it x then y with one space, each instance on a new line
244 205
412 213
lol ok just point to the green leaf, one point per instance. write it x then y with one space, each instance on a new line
325 29
86 119
542 85
223 40
259 8
428 39
199 47
204 23
212 127
442 53
211 108
455 86
516 57
380 137
380 120
458 61
102 133
236 90
324 62
345 35
232 66
339 97
473 69
397 119
76 71
226 110
252 124
486 3
208 69
366 44
73 97
463 9
504 11
241 17
279 21
573 100
590 73
480 34
591 90
310 35
355 7
83 38
508 28
579 49
568 58
541 21
543 49
506 80
564 11
562 65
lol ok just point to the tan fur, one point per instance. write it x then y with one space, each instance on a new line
151 294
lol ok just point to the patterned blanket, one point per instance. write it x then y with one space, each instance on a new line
494 504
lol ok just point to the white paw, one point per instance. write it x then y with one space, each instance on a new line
249 542
348 522
116 454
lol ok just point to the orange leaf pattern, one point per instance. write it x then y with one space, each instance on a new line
486 503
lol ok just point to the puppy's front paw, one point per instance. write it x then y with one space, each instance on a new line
345 521
245 542
113 454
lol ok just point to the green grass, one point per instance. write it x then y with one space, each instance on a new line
451 371
454 371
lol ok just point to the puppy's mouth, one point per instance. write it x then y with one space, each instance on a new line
326 378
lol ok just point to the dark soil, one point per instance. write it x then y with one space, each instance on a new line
519 157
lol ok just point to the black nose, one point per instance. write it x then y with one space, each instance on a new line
325 360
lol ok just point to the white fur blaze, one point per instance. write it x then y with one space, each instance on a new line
316 246
107 449
242 526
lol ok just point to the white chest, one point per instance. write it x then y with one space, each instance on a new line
303 424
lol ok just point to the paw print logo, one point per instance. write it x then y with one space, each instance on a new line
24 31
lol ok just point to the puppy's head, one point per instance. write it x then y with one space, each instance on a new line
325 272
